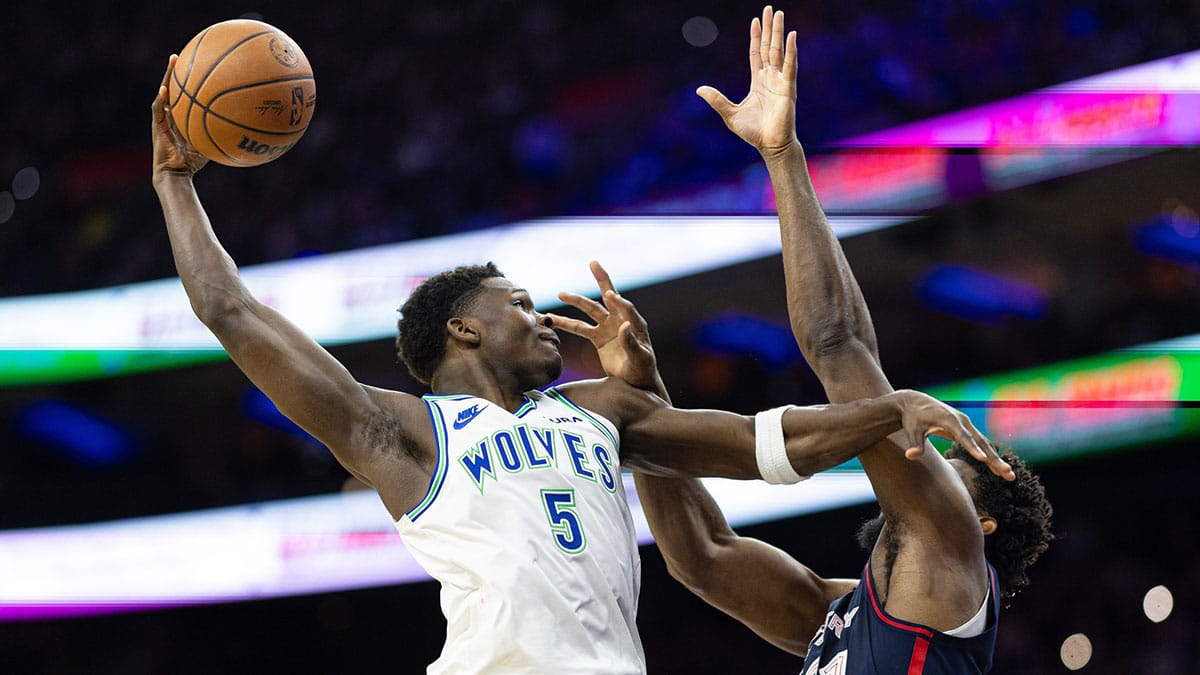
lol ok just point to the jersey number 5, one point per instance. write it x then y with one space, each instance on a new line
564 522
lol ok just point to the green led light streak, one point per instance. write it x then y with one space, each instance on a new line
22 367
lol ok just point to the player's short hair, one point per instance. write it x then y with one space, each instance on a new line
421 330
1022 514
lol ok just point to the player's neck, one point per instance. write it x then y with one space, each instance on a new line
503 389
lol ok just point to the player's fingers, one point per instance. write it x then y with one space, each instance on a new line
998 466
626 333
764 46
988 453
622 303
569 325
724 107
955 431
756 62
789 57
777 41
625 310
593 309
979 446
170 69
970 438
603 281
158 109
160 97
936 430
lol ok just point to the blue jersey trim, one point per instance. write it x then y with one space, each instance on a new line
439 470
525 408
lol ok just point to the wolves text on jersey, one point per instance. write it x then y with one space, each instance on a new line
525 448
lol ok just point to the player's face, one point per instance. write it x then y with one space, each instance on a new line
515 337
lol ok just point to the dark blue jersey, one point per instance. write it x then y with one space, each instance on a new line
859 637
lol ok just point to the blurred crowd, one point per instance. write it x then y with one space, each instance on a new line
435 118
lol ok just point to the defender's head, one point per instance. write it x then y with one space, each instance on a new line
1015 515
474 313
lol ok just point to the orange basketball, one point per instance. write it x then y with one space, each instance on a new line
242 92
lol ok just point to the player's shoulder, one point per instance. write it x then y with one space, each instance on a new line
593 395
611 397
397 402
581 389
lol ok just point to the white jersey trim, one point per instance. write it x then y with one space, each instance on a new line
976 624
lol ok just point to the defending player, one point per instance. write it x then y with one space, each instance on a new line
509 496
927 601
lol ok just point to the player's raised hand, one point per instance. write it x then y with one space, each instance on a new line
172 155
766 118
619 334
925 416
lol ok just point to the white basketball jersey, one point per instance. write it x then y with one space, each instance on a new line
526 527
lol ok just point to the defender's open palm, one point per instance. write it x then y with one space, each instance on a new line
171 153
766 118
620 334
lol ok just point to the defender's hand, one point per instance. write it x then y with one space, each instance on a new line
172 155
766 118
620 334
924 416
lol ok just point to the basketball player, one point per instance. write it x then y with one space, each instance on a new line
928 600
509 495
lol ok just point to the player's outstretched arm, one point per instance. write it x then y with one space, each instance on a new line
834 330
828 315
305 382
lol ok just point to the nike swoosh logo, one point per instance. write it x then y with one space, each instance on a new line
465 417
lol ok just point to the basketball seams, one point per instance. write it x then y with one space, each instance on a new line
217 61
187 119
191 61
289 78
204 123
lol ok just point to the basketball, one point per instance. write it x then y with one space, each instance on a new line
242 93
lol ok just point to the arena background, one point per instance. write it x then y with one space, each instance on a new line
437 118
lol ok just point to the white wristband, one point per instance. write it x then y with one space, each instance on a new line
770 450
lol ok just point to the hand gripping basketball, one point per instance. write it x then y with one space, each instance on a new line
242 93
172 154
